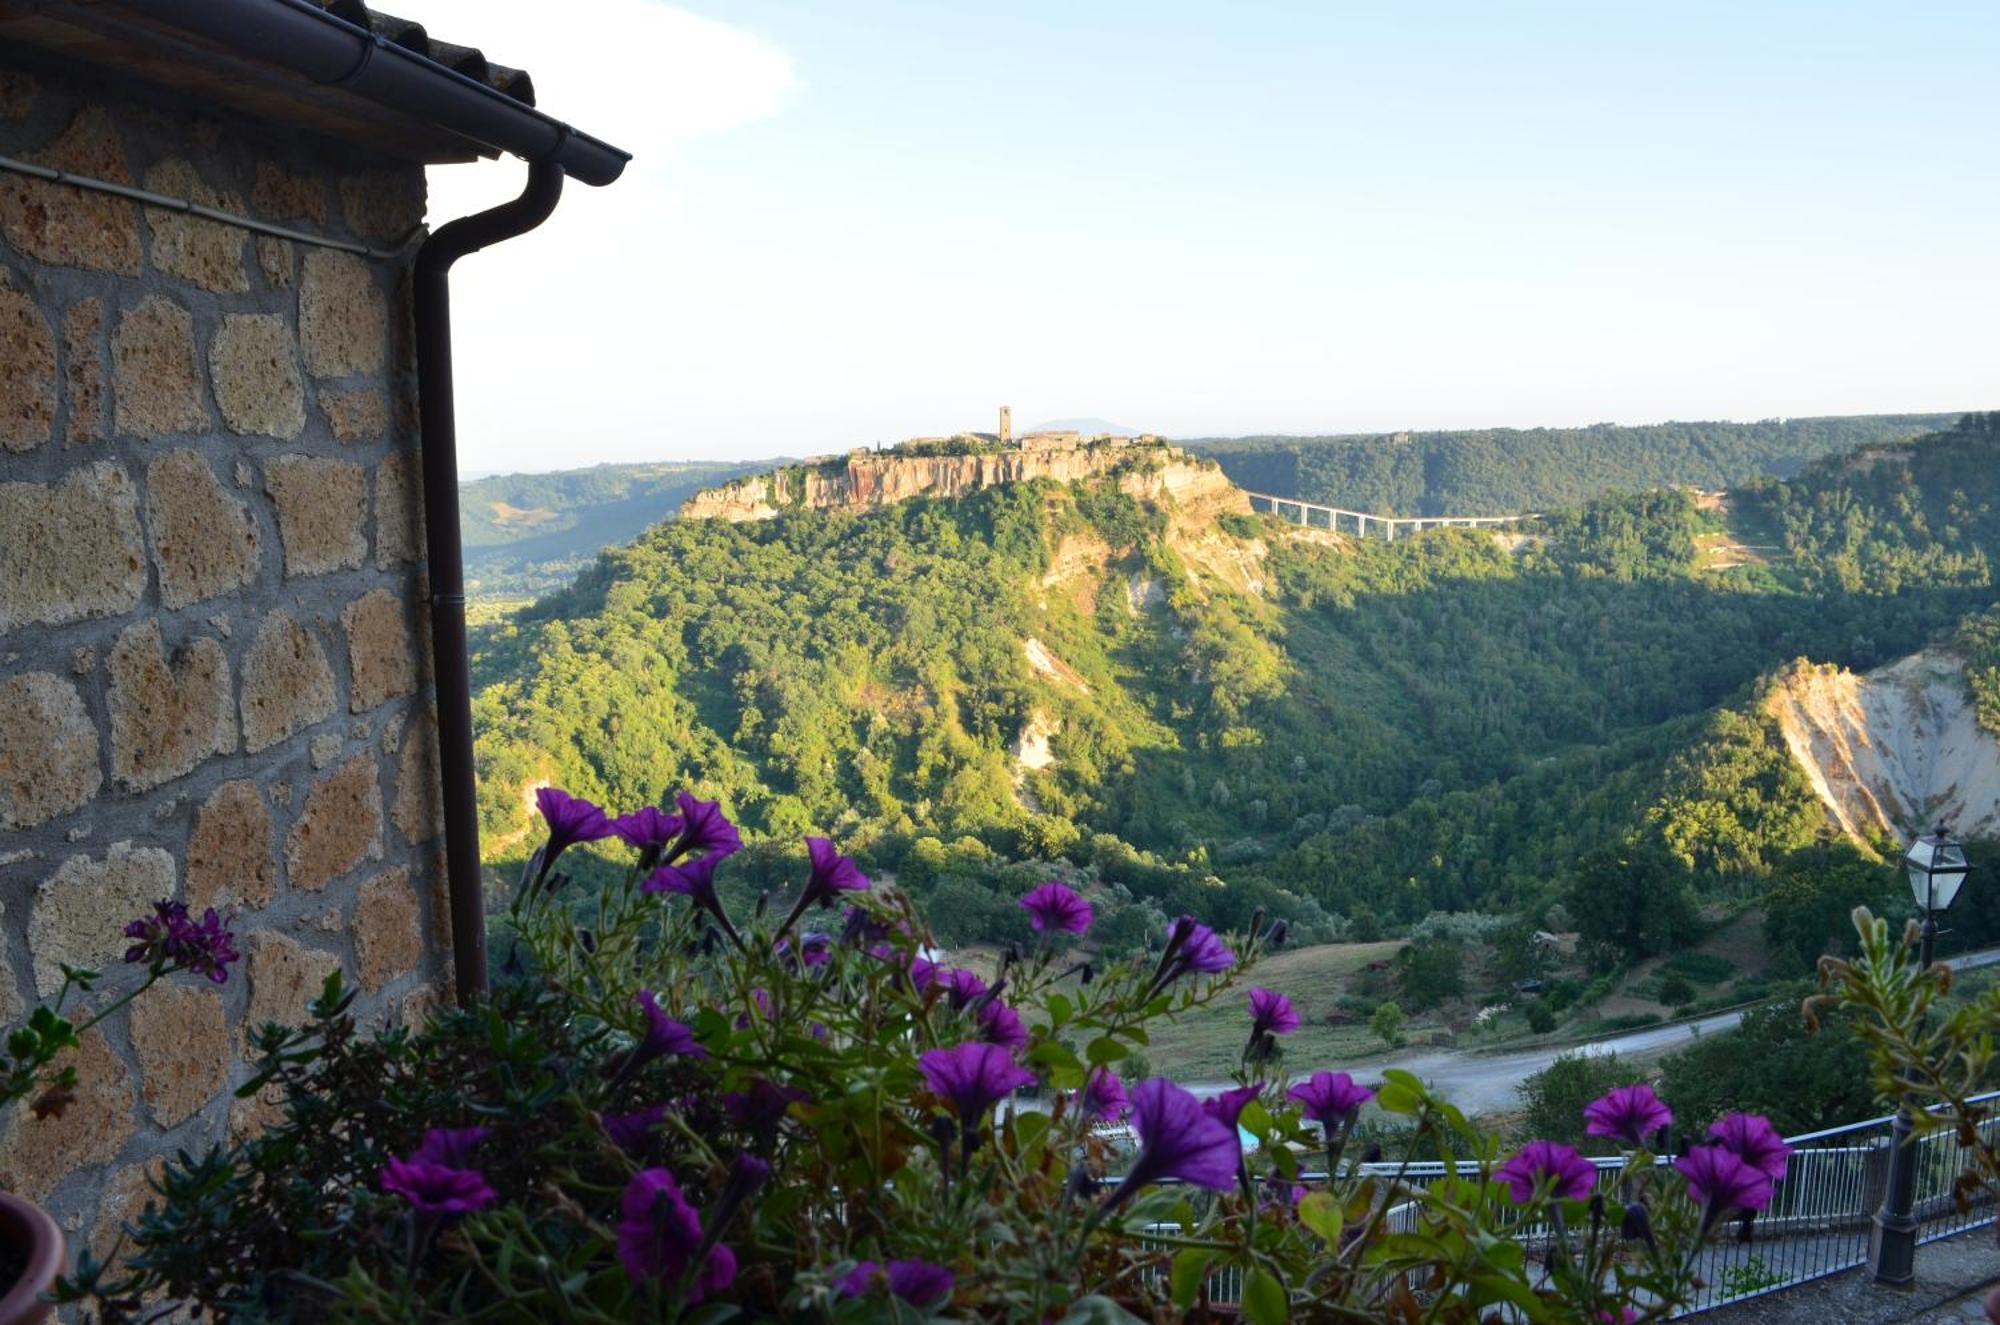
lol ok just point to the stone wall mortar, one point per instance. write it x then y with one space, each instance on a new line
224 600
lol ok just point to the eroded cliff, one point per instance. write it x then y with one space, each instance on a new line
1896 749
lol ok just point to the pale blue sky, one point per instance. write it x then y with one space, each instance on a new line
851 222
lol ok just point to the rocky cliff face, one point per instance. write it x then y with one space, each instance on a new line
1895 749
867 481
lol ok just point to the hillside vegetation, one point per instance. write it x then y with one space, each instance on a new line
1494 471
1221 713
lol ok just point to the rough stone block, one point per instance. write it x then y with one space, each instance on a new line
188 247
127 1193
166 718
419 808
71 550
255 370
277 259
181 1038
388 931
343 316
11 1004
155 381
80 911
40 1152
287 683
28 378
321 508
385 205
83 370
399 509
282 196
229 854
285 976
359 414
340 827
204 540
48 750
68 226
379 662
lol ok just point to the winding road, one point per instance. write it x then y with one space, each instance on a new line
1481 1083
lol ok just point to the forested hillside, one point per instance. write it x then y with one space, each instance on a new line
528 533
1217 714
1505 470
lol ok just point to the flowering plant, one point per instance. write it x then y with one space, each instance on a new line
801 1111
167 941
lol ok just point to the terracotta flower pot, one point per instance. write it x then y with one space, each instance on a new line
27 1231
1993 1306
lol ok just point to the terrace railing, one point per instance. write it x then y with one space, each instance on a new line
1818 1223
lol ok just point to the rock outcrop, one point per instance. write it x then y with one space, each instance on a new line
869 480
1893 750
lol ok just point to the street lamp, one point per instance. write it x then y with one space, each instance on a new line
1937 867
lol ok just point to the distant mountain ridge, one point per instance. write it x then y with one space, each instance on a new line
1089 427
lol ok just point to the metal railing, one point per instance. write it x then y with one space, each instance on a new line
1818 1223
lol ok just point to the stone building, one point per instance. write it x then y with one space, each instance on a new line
216 677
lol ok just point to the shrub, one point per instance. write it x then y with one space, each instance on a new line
1386 1024
1675 990
1541 1017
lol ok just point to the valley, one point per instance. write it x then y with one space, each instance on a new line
978 668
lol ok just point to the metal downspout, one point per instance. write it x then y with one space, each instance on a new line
438 418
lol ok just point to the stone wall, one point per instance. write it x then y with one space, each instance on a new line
213 676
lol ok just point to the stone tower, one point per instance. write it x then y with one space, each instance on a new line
1006 425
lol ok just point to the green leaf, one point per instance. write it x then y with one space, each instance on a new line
1395 1097
1060 1010
1321 1213
1264 1299
1189 1272
1104 1050
1255 1119
713 1313
1030 1127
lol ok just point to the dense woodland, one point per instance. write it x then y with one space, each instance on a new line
1456 722
1496 471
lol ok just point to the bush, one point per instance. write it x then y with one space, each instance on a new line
1552 1100
1675 990
1541 1017
1386 1024
1703 968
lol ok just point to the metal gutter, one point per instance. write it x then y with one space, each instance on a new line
321 46
437 413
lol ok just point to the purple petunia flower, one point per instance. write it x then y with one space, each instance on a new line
663 1035
436 1188
571 819
1271 1013
704 828
659 1235
1629 1114
1191 946
1001 1025
1752 1138
922 972
761 1107
451 1146
961 987
815 948
1330 1099
1720 1180
1573 1177
1228 1106
973 1077
832 874
205 947
919 1283
1054 906
1103 1096
693 879
648 828
631 1132
1178 1139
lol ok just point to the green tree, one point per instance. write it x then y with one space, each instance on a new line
1774 1066
1387 1024
1428 974
1541 1017
1552 1099
1633 903
1813 894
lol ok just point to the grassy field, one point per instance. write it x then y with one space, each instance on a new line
1207 1044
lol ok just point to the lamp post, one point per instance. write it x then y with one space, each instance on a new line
1936 866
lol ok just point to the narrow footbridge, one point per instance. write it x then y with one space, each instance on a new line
1314 516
